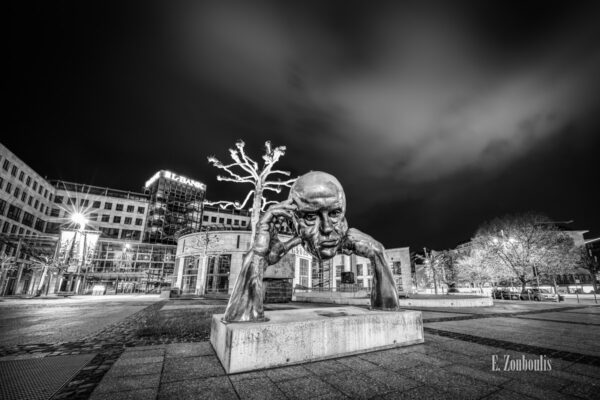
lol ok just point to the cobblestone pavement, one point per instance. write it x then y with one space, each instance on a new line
454 362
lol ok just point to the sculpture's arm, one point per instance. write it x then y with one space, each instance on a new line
246 301
384 294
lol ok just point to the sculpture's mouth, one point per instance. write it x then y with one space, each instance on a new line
329 243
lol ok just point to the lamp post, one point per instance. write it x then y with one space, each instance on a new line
80 220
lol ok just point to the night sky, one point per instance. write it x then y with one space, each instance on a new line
434 118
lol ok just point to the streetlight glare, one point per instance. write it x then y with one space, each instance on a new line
79 219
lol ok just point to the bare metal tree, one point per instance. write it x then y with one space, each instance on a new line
251 173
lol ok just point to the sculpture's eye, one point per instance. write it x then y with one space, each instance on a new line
335 213
310 217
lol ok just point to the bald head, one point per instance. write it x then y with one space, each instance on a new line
312 189
320 218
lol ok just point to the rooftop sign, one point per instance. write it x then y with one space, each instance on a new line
175 177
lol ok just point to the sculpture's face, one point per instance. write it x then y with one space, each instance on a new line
320 219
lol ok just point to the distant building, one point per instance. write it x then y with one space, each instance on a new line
176 205
24 197
118 214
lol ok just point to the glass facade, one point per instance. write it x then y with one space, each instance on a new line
175 207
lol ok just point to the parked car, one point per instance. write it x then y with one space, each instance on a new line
505 294
538 295
510 295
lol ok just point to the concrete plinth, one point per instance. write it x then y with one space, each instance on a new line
297 336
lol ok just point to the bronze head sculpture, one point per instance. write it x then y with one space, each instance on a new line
316 207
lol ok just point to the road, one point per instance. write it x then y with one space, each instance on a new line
26 321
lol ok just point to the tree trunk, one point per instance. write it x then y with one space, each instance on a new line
555 288
255 215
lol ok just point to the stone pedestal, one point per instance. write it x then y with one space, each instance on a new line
298 336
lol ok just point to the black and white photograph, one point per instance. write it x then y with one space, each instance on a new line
300 200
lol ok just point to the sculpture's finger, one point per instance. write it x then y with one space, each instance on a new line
293 242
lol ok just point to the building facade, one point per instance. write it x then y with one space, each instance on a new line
176 205
24 197
209 262
118 214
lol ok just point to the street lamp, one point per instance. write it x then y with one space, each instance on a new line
80 220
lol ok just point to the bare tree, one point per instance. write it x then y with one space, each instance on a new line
251 173
435 264
526 245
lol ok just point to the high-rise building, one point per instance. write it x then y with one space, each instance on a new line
175 207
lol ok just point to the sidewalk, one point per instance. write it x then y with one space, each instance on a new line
442 368
456 361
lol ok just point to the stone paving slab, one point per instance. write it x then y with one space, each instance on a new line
529 332
567 317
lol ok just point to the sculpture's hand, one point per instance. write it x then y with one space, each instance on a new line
267 243
361 244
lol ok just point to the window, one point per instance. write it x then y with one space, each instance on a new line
303 272
205 218
16 192
117 219
396 267
14 170
138 221
14 212
141 210
5 227
37 202
40 189
22 176
58 199
108 206
28 181
2 206
27 219
84 203
127 220
96 204
338 270
228 221
6 165
360 282
1 183
72 201
359 270
93 217
236 221
130 208
30 200
21 230
55 212
13 229
221 220
105 218
8 187
213 219
244 223
34 185
45 193
119 207
41 208
50 198
24 197
39 224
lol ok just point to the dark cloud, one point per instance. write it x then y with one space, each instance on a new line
422 110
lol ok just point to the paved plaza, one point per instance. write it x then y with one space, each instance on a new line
468 353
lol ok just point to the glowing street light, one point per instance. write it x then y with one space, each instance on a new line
79 219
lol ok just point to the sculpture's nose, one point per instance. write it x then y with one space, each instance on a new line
326 225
